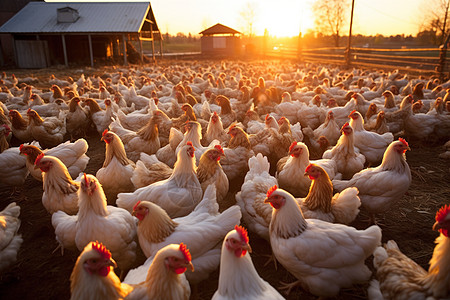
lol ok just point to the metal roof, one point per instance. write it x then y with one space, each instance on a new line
219 29
41 17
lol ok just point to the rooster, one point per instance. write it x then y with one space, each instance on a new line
93 275
399 277
145 140
60 191
201 231
371 144
238 278
115 174
384 185
337 258
10 240
178 195
165 278
347 157
112 226
237 154
72 155
49 132
291 169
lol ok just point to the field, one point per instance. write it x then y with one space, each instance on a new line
40 273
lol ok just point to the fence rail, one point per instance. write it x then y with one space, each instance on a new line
418 60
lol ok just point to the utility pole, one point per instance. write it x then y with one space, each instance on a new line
347 51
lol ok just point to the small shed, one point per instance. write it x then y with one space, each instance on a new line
221 40
48 33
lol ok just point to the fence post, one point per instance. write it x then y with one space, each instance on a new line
442 58
348 50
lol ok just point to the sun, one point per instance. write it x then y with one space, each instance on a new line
286 18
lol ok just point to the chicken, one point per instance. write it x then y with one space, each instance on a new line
115 174
227 114
238 278
72 155
167 153
165 278
291 169
399 277
135 120
19 126
215 130
382 186
201 231
320 202
49 132
329 129
93 275
10 240
145 140
178 195
149 170
60 191
347 157
112 226
77 119
371 144
251 197
101 118
324 257
235 162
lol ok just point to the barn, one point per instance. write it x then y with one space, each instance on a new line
50 33
221 40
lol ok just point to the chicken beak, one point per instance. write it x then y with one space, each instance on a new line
102 139
247 248
111 263
190 266
267 200
437 226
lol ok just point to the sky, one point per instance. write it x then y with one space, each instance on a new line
282 17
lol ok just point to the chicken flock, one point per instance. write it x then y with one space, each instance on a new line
308 147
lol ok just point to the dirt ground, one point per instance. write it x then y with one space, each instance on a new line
41 274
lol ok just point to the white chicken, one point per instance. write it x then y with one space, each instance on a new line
215 130
49 132
324 257
178 195
72 155
382 186
101 118
238 278
60 191
114 227
347 157
371 144
115 174
291 169
201 231
10 240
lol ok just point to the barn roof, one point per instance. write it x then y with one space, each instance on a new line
219 29
93 17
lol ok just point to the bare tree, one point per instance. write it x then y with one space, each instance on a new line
248 16
436 19
330 17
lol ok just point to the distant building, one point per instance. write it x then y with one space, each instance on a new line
220 40
49 33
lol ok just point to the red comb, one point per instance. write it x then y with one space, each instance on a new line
353 111
267 116
219 148
189 144
185 251
38 159
309 167
345 125
101 250
243 233
21 147
403 141
136 205
294 143
85 179
271 190
215 113
232 126
442 213
105 132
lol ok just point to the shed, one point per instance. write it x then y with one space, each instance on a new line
47 33
221 40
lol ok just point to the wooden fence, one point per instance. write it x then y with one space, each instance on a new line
416 60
